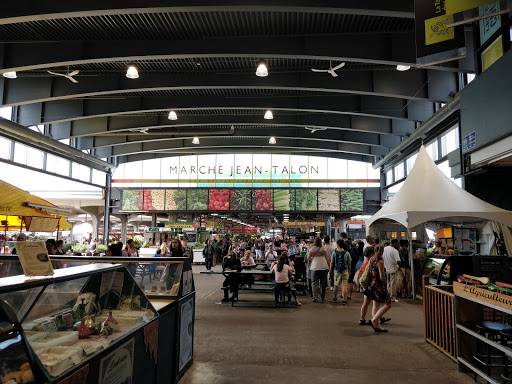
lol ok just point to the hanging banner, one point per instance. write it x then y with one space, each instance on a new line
435 41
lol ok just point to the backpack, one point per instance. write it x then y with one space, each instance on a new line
353 256
340 262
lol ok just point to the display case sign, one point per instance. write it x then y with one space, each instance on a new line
483 295
186 333
41 224
34 258
117 367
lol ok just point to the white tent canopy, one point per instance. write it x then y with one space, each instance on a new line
428 194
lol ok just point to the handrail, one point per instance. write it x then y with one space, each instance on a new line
104 259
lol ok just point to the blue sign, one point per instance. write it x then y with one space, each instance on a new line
469 142
490 25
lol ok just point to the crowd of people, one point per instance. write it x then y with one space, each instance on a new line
381 271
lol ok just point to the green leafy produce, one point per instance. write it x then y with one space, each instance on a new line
241 200
306 199
197 199
351 200
131 199
180 199
284 199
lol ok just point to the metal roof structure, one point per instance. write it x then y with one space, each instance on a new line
199 58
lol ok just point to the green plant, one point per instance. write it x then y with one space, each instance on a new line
198 245
68 247
101 248
79 247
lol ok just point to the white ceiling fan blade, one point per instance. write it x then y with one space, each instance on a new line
75 72
333 74
55 73
319 70
72 79
338 66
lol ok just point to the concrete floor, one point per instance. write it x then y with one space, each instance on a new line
315 343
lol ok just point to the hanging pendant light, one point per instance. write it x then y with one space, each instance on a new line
172 116
132 72
272 140
268 115
195 140
10 75
262 70
403 67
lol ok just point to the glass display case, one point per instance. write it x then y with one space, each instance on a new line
56 324
444 269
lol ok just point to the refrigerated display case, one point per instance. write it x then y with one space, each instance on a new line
79 320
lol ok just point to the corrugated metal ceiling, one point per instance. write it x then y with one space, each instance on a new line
200 25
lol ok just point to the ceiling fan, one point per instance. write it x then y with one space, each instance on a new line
313 130
331 70
68 75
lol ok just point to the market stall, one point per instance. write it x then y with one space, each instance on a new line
428 195
19 210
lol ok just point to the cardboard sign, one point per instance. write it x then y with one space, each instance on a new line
34 258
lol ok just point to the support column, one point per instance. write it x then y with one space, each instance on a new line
153 224
106 216
124 228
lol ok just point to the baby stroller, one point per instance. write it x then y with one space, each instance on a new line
301 282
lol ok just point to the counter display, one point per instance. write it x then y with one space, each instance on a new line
69 320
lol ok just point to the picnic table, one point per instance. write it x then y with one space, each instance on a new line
259 287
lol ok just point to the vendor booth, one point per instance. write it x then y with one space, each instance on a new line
428 195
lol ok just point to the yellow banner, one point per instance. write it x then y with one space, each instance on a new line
456 6
436 30
492 53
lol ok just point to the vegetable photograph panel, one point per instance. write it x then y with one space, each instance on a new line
131 200
306 199
262 200
284 199
241 200
197 199
328 200
219 199
351 199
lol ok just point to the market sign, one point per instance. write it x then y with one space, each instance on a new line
181 225
304 224
153 229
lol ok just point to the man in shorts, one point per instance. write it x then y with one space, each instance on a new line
340 258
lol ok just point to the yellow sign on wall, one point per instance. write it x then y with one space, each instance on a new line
492 53
436 29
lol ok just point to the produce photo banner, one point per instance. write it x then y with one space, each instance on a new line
245 199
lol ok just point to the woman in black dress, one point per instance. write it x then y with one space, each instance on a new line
378 292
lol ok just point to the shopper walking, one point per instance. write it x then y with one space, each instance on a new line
392 264
208 253
319 257
340 269
378 292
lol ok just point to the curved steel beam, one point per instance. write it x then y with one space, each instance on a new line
373 48
14 12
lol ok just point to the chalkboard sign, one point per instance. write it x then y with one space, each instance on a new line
294 231
191 237
494 267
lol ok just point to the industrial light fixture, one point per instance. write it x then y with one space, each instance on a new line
195 140
262 70
132 72
214 214
272 140
403 67
268 115
10 75
172 116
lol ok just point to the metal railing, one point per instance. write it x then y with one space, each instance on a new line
439 318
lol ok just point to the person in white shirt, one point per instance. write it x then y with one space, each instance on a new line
320 259
392 264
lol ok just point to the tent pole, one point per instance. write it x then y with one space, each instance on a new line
58 226
411 262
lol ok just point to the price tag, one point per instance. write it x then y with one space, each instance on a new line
88 349
74 357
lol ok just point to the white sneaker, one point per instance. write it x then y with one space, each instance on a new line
395 301
332 289
299 303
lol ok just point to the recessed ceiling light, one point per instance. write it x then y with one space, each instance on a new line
403 67
132 72
268 115
195 140
10 75
172 116
215 214
262 70
272 140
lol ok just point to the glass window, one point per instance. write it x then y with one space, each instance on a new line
51 163
64 141
357 170
37 128
98 177
20 153
399 171
81 172
470 77
35 158
410 162
6 113
432 150
5 148
395 188
373 174
389 177
62 166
